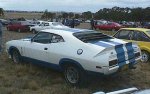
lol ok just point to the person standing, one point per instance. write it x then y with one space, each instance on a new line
72 23
92 24
1 36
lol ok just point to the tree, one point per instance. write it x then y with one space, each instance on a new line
1 12
71 15
77 16
87 15
65 15
48 15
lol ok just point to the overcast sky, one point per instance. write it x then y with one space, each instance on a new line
69 5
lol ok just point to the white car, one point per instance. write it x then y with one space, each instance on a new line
47 25
76 52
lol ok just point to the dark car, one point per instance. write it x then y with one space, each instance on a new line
146 25
68 22
18 26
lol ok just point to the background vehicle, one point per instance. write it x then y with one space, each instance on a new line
47 25
140 36
4 22
108 26
68 22
18 26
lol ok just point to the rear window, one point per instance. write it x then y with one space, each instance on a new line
148 32
91 36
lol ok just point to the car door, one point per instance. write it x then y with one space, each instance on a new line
56 49
142 40
37 48
39 27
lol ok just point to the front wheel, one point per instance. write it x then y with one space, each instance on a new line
145 56
16 57
74 76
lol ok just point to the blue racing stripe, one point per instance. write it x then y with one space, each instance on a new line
120 55
130 52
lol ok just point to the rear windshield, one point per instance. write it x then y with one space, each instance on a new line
148 32
91 36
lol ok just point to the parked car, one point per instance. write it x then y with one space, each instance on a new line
76 52
108 26
4 22
146 25
68 22
18 26
47 25
140 36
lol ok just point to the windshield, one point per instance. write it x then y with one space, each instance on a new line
148 32
91 36
56 23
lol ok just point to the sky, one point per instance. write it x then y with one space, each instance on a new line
70 5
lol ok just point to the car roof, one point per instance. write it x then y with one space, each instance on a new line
136 29
66 30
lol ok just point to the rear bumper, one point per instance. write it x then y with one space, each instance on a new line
108 70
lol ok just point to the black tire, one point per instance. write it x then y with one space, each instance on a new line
8 29
74 76
16 57
19 30
145 56
34 31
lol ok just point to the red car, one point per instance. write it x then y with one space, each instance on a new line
109 26
18 26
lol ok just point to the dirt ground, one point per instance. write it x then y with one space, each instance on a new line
31 79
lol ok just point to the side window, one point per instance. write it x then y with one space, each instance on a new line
43 38
123 34
140 36
57 38
46 24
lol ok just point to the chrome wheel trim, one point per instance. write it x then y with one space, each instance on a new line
145 57
15 57
72 75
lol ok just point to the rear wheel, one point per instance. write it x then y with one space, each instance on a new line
34 31
16 57
145 56
19 30
74 76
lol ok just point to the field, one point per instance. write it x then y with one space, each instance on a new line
22 14
31 79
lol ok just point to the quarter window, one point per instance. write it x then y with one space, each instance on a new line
43 37
57 38
46 38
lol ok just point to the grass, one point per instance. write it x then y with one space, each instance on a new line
26 78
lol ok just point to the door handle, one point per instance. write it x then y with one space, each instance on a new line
45 48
